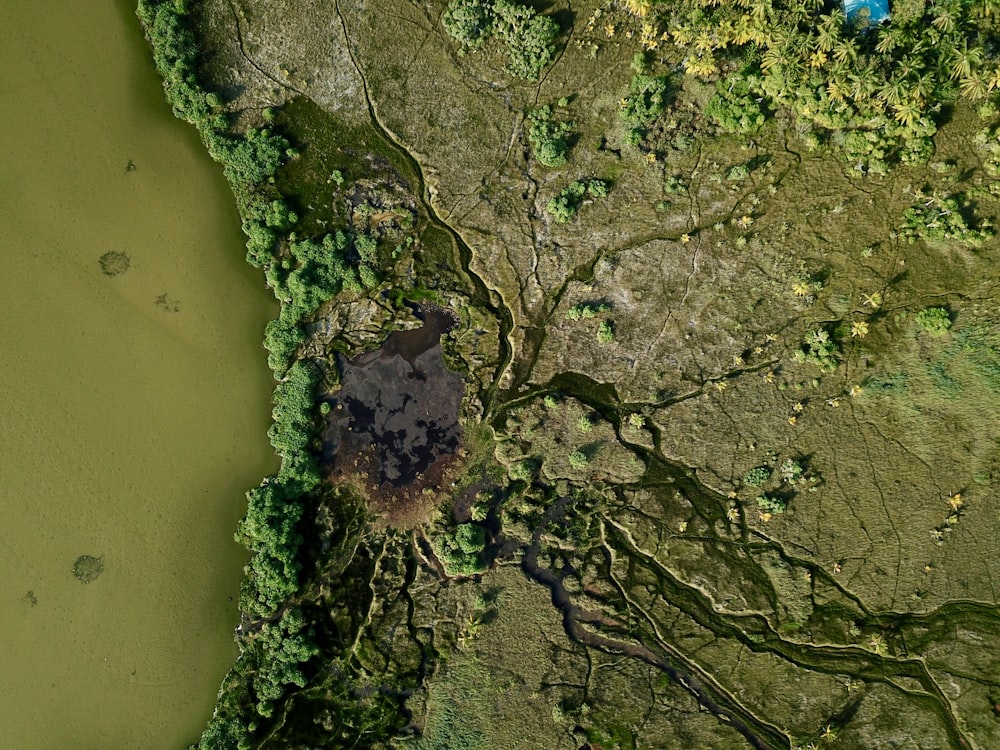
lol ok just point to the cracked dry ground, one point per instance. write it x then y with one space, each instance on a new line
641 597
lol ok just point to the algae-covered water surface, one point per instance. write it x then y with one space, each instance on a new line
136 397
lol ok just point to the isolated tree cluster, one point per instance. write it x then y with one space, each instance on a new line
530 38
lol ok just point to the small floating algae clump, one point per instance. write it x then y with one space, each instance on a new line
115 263
87 568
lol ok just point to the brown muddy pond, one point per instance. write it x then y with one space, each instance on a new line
136 393
394 420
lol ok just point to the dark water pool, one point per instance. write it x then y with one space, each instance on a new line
394 421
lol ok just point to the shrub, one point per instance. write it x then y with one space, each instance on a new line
791 471
937 217
293 415
606 332
647 98
461 550
282 338
738 173
675 185
548 139
250 159
757 476
578 459
280 649
566 205
269 531
587 310
772 505
934 320
323 269
530 38
820 350
736 106
524 470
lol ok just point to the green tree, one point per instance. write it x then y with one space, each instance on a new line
737 106
281 649
548 139
530 38
461 549
469 22
565 206
647 98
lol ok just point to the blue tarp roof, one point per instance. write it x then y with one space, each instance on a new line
878 10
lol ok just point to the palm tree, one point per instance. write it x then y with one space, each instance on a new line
837 89
799 10
917 46
893 92
744 31
682 34
889 39
638 7
975 86
946 16
986 8
993 79
964 60
908 111
828 31
771 59
701 66
845 51
923 86
725 32
907 65
761 12
864 84
704 42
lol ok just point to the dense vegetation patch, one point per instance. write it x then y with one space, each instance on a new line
647 97
736 108
247 159
877 90
115 263
603 501
565 206
530 38
461 549
941 217
821 349
549 139
934 320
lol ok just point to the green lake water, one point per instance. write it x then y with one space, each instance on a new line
135 406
